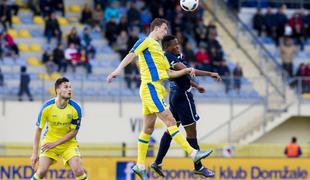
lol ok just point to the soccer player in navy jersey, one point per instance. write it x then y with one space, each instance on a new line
182 104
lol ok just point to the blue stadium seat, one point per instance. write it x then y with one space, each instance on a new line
34 76
26 19
231 66
36 33
39 91
113 92
266 40
126 92
8 61
4 90
21 62
103 92
90 92
95 35
107 49
94 63
13 90
77 91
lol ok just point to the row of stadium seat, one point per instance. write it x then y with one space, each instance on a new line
29 35
23 47
40 21
13 90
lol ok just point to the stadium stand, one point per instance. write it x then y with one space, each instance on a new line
102 54
286 37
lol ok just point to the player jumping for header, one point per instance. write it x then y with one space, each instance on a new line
154 68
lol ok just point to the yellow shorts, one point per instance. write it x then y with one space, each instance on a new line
66 152
152 96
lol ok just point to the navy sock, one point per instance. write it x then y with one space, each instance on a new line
163 147
194 144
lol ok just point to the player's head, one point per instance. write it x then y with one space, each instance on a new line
171 44
63 88
159 27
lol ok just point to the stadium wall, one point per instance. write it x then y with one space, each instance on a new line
108 122
175 168
297 126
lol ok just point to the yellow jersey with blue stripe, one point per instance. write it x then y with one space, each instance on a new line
153 66
152 62
60 121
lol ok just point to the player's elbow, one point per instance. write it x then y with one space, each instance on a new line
131 55
38 130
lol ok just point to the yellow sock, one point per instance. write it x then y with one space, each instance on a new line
179 138
35 177
143 144
83 177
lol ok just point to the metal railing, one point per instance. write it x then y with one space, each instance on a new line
276 87
236 123
234 34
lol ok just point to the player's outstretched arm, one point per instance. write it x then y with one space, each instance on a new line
214 75
66 138
128 59
180 66
176 74
35 150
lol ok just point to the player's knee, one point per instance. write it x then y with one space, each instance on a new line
191 134
79 171
41 173
171 121
148 130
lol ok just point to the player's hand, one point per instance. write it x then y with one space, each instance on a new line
48 146
112 75
34 159
201 89
216 76
191 72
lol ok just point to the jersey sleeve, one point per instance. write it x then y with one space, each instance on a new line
173 60
43 115
139 46
41 121
76 116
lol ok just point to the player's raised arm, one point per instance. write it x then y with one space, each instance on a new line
180 66
127 60
214 75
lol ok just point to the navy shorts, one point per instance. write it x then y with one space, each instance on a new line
183 107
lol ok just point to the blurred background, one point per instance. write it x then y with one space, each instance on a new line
261 48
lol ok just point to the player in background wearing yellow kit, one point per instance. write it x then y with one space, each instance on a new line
154 69
63 118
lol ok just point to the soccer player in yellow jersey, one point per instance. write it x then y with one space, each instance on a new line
154 69
63 118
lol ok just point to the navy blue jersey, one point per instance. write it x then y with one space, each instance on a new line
182 83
